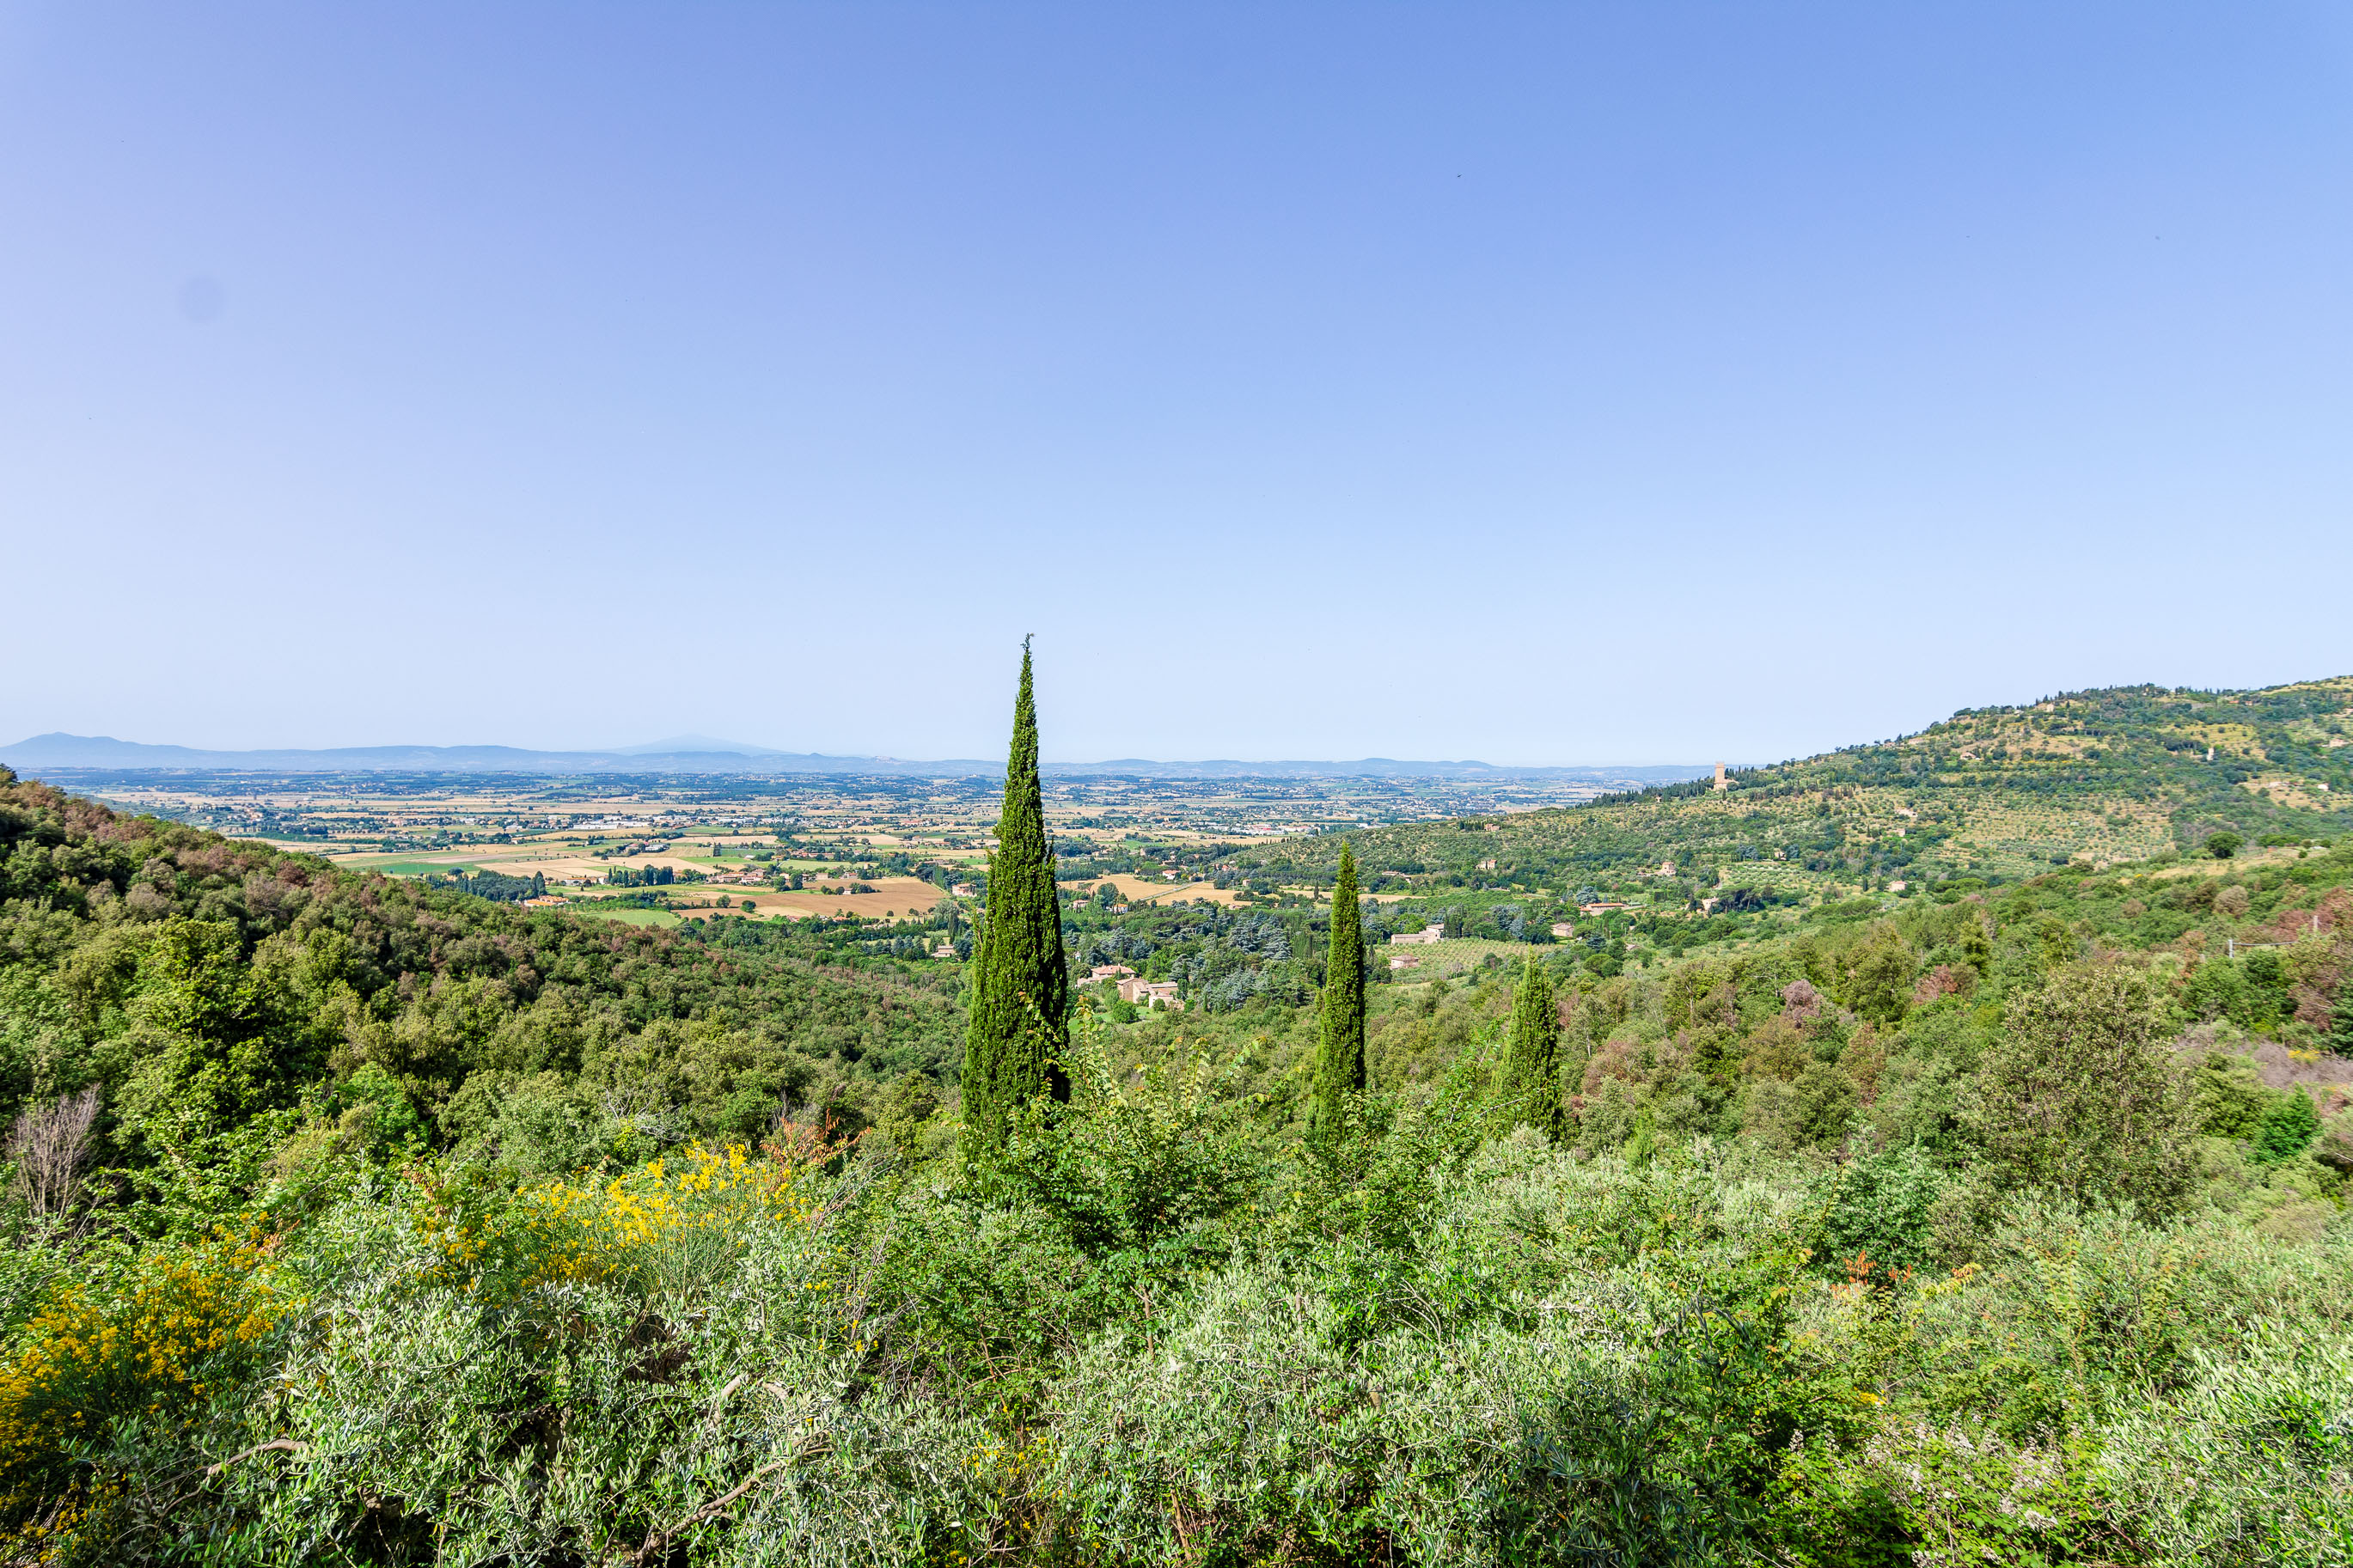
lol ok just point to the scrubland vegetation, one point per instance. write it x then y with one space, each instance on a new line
361 1221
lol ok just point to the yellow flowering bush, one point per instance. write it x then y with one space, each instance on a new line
150 1346
670 1224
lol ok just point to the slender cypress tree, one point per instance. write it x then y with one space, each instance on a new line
1021 992
1340 1053
2340 1030
1531 1096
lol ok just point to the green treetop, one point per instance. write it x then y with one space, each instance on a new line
1531 1096
2288 1128
1340 1053
1020 992
2079 1094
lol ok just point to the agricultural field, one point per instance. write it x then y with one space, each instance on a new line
682 843
424 813
1135 891
2100 779
629 916
1446 959
893 897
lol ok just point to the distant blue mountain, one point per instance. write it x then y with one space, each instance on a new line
695 746
57 752
51 753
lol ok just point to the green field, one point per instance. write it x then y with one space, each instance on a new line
1455 955
426 867
627 915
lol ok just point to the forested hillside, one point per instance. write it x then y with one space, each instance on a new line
1997 1222
2104 776
197 983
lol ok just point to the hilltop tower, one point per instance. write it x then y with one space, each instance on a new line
1721 781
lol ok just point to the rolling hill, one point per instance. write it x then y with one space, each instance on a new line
1993 794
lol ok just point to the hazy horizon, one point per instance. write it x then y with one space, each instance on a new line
1473 381
751 747
1051 757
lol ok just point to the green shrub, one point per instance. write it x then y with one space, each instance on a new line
1580 1364
1880 1209
2288 1128
1128 1166
2250 1463
2231 1100
2080 1095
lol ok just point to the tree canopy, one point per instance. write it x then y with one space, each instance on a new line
1340 1051
1019 996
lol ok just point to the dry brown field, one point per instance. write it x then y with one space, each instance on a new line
1153 889
897 898
2285 792
2247 859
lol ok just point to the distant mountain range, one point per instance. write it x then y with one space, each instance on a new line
695 746
56 752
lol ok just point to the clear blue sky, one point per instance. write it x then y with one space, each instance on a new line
1543 383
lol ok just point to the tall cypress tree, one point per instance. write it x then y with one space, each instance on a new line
1340 1052
1021 992
1531 1096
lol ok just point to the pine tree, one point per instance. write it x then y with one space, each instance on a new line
1530 1092
1020 992
2288 1128
1340 1053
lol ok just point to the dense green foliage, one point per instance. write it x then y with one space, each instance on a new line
1020 990
2076 1097
365 1221
496 886
1530 1091
197 983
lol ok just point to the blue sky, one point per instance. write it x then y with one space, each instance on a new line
1542 383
